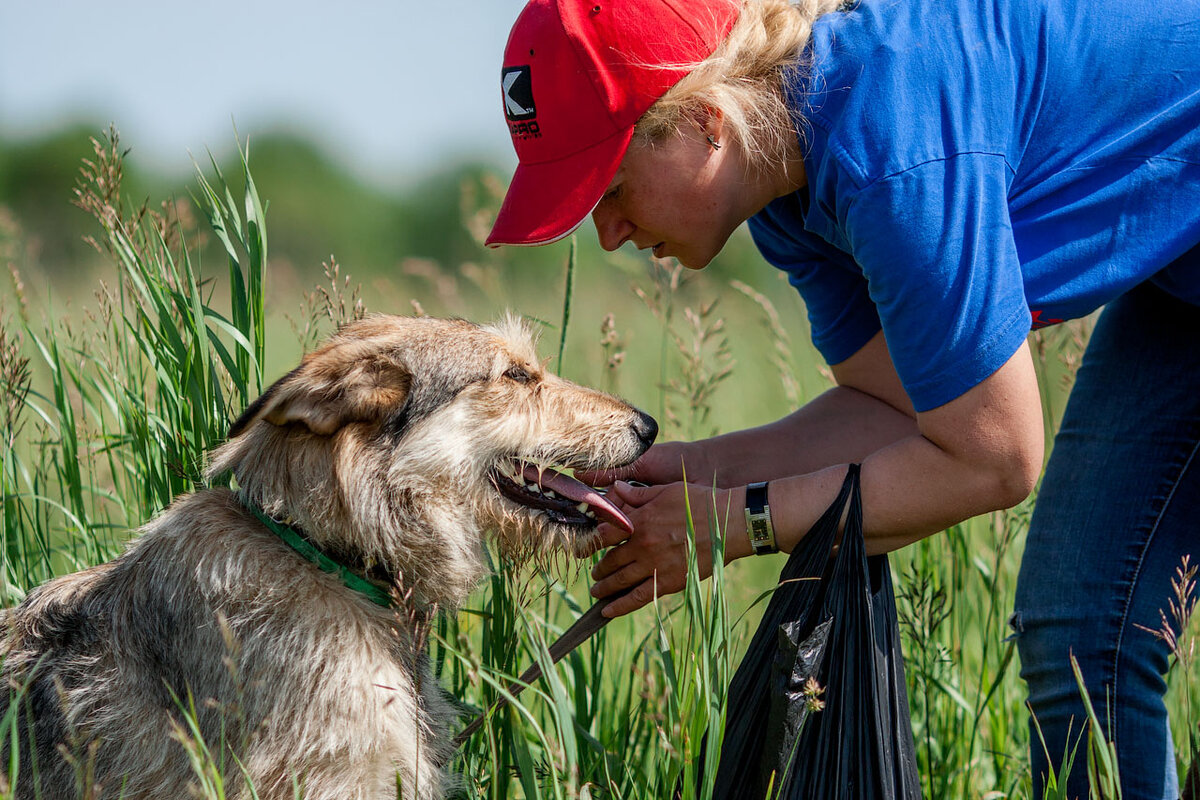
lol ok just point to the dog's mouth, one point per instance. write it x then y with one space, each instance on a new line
560 497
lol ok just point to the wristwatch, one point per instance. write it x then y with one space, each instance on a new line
758 520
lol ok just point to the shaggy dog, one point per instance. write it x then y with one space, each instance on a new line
391 450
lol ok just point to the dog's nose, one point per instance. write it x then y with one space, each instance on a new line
645 427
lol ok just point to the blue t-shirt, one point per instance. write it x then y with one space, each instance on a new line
980 167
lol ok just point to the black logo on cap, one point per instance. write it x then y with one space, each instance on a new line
518 93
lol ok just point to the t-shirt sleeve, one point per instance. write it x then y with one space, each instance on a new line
936 247
841 316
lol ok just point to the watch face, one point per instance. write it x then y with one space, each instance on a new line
759 529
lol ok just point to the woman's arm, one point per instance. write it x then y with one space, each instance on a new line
980 452
977 453
842 425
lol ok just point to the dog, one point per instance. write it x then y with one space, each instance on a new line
393 449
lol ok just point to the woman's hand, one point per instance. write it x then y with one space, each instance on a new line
662 463
654 558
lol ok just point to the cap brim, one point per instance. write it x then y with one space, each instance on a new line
549 200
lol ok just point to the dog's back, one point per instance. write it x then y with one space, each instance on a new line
86 653
49 642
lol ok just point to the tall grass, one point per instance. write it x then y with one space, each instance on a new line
133 391
108 412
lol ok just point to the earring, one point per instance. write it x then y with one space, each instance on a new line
713 142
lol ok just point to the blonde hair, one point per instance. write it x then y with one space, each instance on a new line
743 79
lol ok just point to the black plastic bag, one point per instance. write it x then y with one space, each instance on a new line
842 632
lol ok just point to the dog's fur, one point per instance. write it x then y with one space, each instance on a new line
385 447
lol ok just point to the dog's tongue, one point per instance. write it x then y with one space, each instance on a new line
580 492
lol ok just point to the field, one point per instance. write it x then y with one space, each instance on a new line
112 400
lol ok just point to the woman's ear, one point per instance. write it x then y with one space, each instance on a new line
711 121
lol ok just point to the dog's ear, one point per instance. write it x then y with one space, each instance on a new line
329 390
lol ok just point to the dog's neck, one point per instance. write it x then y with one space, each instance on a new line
366 581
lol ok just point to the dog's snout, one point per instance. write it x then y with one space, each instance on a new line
645 427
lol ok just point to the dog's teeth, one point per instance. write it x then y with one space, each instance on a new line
533 487
583 507
550 493
590 514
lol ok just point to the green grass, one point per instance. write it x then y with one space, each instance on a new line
111 403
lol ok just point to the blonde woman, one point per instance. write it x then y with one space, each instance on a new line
937 178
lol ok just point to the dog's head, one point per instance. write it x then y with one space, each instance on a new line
401 440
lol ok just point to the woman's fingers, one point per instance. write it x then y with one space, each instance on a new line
627 498
613 560
640 596
604 477
606 536
652 558
622 577
662 463
631 496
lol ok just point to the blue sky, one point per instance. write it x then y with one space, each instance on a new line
393 89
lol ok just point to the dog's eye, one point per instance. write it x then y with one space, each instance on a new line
518 374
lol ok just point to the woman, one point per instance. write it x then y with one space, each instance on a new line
937 177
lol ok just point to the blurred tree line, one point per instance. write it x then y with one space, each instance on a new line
318 208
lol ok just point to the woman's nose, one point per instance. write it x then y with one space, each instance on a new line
612 228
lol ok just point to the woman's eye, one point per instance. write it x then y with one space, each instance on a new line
613 193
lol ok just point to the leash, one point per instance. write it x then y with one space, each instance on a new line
584 628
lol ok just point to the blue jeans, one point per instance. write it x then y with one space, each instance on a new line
1118 509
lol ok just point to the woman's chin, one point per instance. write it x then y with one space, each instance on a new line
695 260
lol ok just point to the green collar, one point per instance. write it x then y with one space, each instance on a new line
316 555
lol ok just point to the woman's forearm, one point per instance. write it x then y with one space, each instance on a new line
840 426
979 452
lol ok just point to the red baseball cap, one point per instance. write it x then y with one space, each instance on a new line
577 76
